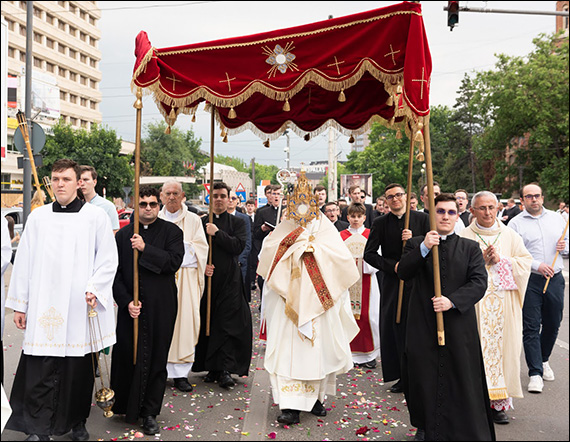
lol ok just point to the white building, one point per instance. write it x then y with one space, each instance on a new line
66 74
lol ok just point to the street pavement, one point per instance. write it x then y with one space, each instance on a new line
363 409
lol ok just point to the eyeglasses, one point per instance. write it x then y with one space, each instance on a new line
396 195
530 197
443 212
460 198
330 210
152 204
233 198
171 193
485 208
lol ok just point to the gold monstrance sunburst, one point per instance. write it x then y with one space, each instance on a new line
302 206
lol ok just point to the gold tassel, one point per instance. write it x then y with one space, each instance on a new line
420 157
398 134
307 137
399 90
194 116
419 137
392 121
223 133
390 101
232 114
225 140
341 96
172 114
266 143
286 106
167 130
351 139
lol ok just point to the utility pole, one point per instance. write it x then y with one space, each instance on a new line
27 187
254 186
332 191
287 150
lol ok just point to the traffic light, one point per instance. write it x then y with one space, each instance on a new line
452 14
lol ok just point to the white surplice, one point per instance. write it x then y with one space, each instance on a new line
61 256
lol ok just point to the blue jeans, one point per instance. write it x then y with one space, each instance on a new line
542 314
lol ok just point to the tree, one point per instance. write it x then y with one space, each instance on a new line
174 154
99 148
526 118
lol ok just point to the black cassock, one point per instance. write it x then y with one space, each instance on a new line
386 232
139 389
445 386
229 346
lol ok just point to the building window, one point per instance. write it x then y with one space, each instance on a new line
11 52
62 4
84 102
22 56
11 25
72 54
93 63
93 105
50 43
62 95
22 30
83 36
61 48
82 14
92 20
37 63
37 13
84 124
83 80
49 19
62 72
93 84
23 5
73 99
73 121
72 31
61 25
37 37
83 58
92 42
50 67
72 76
5 181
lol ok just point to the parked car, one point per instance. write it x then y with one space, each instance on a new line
17 214
124 217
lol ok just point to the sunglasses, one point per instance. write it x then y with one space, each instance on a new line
152 204
443 212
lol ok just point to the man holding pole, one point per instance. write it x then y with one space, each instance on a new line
545 235
225 343
139 388
387 235
445 385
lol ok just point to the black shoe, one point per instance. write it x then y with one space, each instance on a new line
150 426
226 380
289 417
212 376
370 364
397 387
500 417
319 409
35 437
79 432
420 435
182 384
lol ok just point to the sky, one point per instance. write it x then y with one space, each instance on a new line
470 47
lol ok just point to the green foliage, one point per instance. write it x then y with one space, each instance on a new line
262 171
526 106
99 148
165 154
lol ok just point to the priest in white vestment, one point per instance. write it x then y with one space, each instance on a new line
190 283
499 312
67 259
306 307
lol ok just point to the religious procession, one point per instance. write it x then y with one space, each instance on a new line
427 312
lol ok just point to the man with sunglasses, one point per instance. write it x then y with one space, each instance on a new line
445 386
139 389
383 251
541 230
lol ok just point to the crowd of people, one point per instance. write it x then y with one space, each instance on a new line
444 301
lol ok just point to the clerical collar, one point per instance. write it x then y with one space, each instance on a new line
398 216
445 237
493 227
73 207
232 213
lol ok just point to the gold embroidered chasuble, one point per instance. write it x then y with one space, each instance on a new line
499 312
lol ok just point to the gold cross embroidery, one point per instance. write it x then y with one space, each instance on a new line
50 321
422 80
174 80
391 53
335 64
228 80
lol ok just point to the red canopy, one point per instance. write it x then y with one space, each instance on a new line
347 72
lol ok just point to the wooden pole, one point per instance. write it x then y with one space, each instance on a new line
555 258
23 124
406 225
138 107
435 249
210 220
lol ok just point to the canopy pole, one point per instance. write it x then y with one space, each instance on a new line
210 220
138 106
432 226
406 225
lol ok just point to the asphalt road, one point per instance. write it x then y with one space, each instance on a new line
363 405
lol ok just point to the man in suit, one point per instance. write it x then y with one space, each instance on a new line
511 211
332 211
243 258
